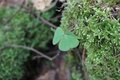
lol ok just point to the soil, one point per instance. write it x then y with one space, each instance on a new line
42 69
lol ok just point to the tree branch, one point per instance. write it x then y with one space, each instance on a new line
47 22
32 13
32 49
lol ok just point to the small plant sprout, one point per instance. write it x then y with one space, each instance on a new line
66 39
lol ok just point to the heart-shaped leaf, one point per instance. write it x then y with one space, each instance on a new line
68 32
68 42
58 35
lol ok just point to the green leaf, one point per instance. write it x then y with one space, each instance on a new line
73 42
58 35
64 43
68 42
68 32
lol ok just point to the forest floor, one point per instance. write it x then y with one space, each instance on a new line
40 68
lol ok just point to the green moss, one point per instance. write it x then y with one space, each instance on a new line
22 29
99 34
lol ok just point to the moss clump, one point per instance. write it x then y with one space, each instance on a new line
99 34
23 29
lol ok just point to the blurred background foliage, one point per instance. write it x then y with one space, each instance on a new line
22 29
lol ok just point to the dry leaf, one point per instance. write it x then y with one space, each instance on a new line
62 0
41 4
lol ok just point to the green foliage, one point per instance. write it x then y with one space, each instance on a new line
11 60
58 35
22 29
74 64
99 34
67 40
75 75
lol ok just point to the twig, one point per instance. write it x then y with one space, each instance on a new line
117 55
32 49
56 17
41 19
58 52
83 57
47 22
85 73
